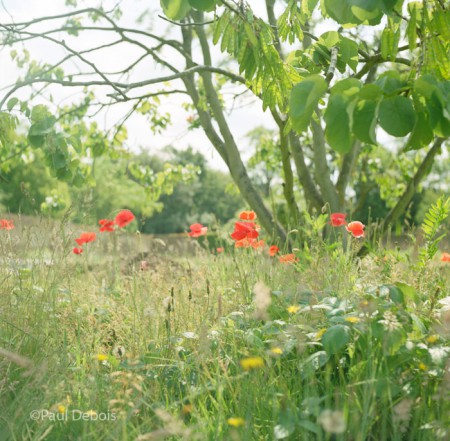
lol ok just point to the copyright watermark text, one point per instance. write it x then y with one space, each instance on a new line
72 415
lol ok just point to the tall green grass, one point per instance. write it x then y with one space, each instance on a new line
235 346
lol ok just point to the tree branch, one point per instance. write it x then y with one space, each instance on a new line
235 164
348 163
312 195
411 188
322 171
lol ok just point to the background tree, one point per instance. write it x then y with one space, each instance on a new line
328 97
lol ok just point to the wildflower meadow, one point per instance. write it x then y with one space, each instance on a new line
225 220
242 341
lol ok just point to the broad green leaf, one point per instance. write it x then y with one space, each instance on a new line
365 120
58 160
390 82
11 103
330 39
340 11
175 9
367 10
337 119
348 53
393 341
391 5
304 98
397 115
347 87
203 5
422 133
370 92
335 339
39 130
395 294
409 292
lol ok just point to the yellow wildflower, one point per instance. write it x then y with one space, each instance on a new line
276 351
236 421
293 309
252 363
61 408
352 319
101 357
422 366
432 339
321 332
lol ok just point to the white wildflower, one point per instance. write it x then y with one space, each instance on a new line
390 321
332 421
438 353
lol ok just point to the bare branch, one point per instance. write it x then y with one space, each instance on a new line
125 86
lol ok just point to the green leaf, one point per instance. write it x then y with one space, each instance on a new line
441 23
175 9
309 425
203 5
347 87
11 103
337 120
286 424
365 120
389 82
335 339
397 115
39 130
340 11
395 294
40 112
409 292
389 43
367 10
422 133
304 98
411 28
330 39
348 53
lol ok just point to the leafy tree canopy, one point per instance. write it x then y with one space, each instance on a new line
384 69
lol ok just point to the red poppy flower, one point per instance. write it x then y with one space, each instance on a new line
356 228
124 218
445 257
197 230
337 219
77 250
220 249
288 258
244 230
247 215
6 224
85 238
106 225
273 250
255 244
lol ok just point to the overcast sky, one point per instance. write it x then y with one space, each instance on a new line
246 115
